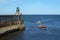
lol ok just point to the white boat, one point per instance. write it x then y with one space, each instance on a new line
38 22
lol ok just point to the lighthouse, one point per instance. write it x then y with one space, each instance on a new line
17 11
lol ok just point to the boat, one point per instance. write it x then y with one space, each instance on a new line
38 22
42 27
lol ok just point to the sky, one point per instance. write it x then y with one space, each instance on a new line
30 7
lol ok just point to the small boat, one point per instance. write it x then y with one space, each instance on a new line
42 27
38 22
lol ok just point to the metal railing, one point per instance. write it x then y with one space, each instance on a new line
9 20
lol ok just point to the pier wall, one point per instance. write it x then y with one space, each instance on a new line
10 22
7 28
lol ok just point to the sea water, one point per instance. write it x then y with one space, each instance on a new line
32 31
